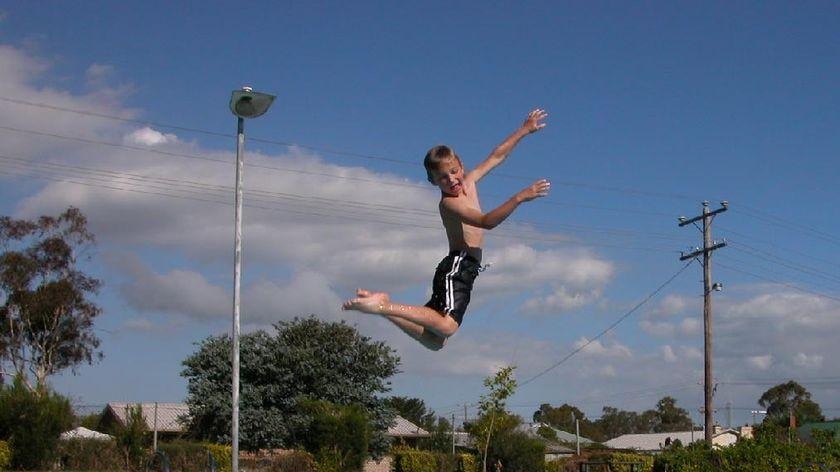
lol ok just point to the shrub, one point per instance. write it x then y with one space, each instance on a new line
90 454
5 455
286 461
222 455
132 437
411 460
338 436
517 451
32 423
467 463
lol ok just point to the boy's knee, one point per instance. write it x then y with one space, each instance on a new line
448 326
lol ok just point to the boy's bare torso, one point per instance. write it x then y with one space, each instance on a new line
462 236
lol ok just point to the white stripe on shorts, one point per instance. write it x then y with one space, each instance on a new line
450 290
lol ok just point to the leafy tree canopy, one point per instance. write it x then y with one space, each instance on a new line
302 360
786 398
46 316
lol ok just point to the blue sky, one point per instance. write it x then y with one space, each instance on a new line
653 107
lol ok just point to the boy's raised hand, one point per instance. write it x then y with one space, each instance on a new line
538 189
533 122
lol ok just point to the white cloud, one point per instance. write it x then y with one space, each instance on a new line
607 371
760 362
803 360
598 349
671 305
668 354
149 137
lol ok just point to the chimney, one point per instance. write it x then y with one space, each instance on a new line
746 432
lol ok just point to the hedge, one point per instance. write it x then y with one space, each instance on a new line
90 454
5 455
412 460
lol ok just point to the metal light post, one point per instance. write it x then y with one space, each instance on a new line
244 103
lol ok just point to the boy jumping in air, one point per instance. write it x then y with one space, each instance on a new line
465 223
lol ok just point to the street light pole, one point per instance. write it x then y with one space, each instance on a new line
244 103
237 277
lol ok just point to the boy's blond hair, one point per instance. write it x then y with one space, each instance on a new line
435 157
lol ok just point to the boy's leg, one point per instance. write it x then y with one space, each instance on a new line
424 336
378 303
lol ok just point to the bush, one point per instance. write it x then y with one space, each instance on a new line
412 460
517 451
338 436
5 455
32 423
186 456
90 454
286 461
223 456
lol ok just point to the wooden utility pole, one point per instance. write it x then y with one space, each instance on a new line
708 246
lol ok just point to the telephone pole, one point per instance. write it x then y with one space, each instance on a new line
708 247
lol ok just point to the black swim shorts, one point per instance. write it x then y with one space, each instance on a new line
453 283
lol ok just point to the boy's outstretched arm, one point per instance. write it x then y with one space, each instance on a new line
491 219
533 123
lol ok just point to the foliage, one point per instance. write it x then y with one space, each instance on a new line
337 435
501 386
303 358
621 461
412 460
759 455
786 398
669 417
441 437
90 454
46 317
186 456
32 422
89 421
517 451
563 418
286 461
5 455
412 409
223 455
547 432
132 438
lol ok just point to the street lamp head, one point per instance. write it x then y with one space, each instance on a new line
246 103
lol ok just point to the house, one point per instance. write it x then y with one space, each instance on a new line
656 442
553 449
164 418
405 432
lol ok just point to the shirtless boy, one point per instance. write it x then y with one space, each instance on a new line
465 223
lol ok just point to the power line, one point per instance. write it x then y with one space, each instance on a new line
412 163
767 279
368 216
609 328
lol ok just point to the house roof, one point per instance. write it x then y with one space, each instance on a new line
403 428
83 433
168 415
562 436
656 441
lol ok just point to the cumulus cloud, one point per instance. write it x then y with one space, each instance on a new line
668 354
149 137
760 362
598 349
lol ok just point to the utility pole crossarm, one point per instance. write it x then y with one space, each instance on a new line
698 252
723 208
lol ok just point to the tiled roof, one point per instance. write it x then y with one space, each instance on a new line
406 429
168 415
656 441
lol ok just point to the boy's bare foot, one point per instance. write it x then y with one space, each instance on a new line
367 302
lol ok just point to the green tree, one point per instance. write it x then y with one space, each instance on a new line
563 418
518 452
412 409
441 437
32 422
615 422
670 418
131 437
492 404
337 435
303 359
790 398
46 316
